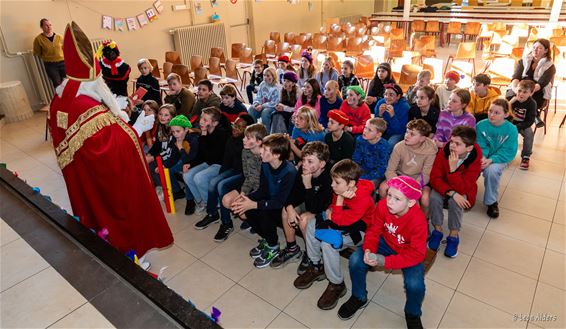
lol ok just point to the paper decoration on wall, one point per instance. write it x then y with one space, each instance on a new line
214 3
309 5
132 25
198 7
107 22
158 6
119 24
142 18
151 15
215 17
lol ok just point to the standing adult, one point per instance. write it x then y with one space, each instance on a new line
49 47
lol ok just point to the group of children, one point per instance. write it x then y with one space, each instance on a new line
319 177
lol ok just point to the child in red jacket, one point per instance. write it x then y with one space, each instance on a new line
356 109
453 180
395 239
350 211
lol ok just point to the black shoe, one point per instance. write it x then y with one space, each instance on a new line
493 210
538 122
413 322
304 264
223 231
207 220
190 207
180 194
350 307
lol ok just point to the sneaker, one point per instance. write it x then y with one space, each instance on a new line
190 207
245 225
524 164
145 266
266 257
256 251
413 322
350 307
200 208
159 192
331 295
493 210
223 231
435 238
312 274
451 246
538 122
287 256
180 194
207 220
304 264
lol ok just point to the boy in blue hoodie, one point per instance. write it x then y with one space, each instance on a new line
498 140
372 152
394 109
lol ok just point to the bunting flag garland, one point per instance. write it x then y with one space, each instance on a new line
133 23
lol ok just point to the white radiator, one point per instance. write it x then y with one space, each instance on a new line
198 39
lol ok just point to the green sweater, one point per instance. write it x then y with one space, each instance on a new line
47 50
498 143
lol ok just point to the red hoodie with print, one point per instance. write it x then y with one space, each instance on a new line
359 207
406 235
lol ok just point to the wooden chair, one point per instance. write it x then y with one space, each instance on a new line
236 51
167 68
283 47
354 46
396 49
471 31
231 70
196 62
516 3
429 49
364 70
319 41
300 39
173 57
183 71
473 3
335 43
289 37
466 51
214 68
269 48
201 73
308 40
218 52
418 25
408 76
397 34
433 27
275 36
155 72
246 56
296 53
453 28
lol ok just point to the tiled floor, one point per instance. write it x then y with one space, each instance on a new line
507 268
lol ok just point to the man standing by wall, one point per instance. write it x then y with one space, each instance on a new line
49 47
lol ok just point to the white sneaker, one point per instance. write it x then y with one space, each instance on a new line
200 208
145 265
159 192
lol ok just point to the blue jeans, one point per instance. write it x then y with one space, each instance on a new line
394 139
250 89
413 278
214 193
492 175
197 179
264 114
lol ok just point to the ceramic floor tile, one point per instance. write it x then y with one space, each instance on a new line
553 269
510 254
543 169
242 309
174 258
562 196
475 217
284 321
467 312
448 271
197 243
7 234
536 185
506 290
178 221
560 213
529 204
549 302
18 262
556 239
231 257
470 236
391 295
273 285
554 156
38 301
375 316
201 284
521 227
87 316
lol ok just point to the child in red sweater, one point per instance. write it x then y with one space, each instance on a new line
453 180
356 109
395 239
344 226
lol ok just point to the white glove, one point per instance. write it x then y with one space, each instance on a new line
124 116
144 123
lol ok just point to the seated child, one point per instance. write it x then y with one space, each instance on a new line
328 73
347 78
150 107
330 100
349 213
199 172
376 88
266 99
255 79
423 108
231 106
147 81
311 195
453 180
394 109
283 65
307 129
423 80
310 96
307 70
372 152
524 113
205 98
340 142
356 110
454 115
481 96
182 98
280 119
443 91
395 239
498 139
414 158
262 208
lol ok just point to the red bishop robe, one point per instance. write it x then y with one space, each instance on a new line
106 174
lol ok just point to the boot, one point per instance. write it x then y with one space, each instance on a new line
190 207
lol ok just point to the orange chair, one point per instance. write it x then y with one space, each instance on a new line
237 49
231 70
275 36
289 37
433 27
418 25
300 39
214 67
155 72
453 28
201 73
196 62
246 56
408 75
364 70
397 34
269 48
183 71
296 52
319 41
471 30
396 49
335 44
354 45
173 57
283 47
218 52
167 68
466 51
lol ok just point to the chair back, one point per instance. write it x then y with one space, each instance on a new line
466 50
300 39
201 73
397 34
155 72
196 62
183 71
218 52
335 43
319 41
296 52
231 70
214 66
246 56
284 47
236 51
275 36
289 37
472 28
354 45
408 76
167 68
432 27
396 48
364 67
269 48
173 57
454 28
418 25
